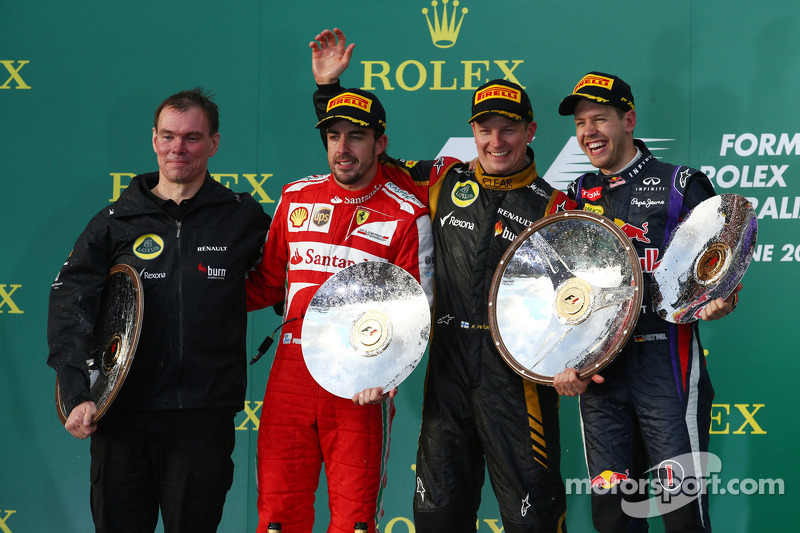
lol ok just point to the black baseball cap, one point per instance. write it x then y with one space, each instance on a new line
359 107
504 98
601 88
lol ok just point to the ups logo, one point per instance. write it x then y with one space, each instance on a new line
322 216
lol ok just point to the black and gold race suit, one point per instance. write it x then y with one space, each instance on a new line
476 408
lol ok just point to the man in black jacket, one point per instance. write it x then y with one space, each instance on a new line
166 441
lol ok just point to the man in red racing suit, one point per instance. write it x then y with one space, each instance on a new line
322 225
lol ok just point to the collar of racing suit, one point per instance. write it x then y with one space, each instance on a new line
507 182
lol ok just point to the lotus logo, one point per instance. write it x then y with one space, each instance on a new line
298 216
464 193
148 246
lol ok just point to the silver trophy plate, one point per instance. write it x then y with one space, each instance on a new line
705 258
367 326
114 339
566 294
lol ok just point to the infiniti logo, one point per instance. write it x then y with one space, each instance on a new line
651 181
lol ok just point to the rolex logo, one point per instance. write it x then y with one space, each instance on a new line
444 32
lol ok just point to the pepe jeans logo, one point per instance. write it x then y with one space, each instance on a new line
444 32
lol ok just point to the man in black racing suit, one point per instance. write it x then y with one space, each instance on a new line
477 410
654 399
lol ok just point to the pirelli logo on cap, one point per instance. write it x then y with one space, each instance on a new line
498 91
594 80
350 99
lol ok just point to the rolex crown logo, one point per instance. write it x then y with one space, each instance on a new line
444 32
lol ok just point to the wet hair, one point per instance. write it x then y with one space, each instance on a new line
185 100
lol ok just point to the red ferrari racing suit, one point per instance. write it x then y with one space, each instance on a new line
319 229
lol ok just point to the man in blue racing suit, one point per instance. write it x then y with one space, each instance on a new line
654 399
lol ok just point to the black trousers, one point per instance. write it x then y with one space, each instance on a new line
177 461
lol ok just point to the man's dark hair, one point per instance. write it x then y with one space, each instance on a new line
620 112
186 100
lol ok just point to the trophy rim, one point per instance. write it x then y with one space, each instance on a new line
133 342
617 344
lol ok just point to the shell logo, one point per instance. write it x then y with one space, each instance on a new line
298 216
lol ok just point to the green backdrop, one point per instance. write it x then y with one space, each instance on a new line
716 85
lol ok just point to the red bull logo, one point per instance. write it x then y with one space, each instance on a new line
608 479
633 233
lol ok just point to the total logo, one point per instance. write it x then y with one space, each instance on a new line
592 194
450 220
444 21
211 272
